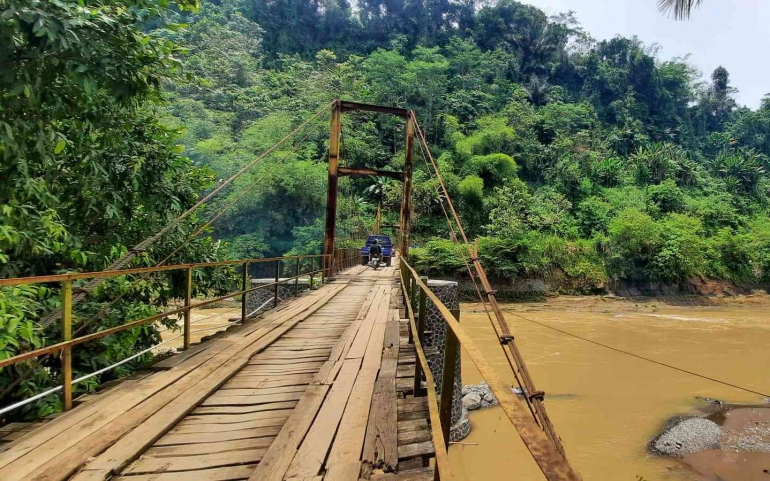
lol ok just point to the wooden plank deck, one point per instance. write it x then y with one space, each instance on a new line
310 392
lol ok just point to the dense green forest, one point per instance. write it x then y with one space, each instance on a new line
593 159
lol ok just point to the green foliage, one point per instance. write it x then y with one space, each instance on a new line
472 189
87 170
665 198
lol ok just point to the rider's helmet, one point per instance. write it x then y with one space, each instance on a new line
376 242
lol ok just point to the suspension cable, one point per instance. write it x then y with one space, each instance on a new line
628 353
461 251
507 339
142 246
189 238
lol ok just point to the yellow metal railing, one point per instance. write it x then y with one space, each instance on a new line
416 292
328 265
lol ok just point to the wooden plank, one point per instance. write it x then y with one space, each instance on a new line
235 418
131 445
412 404
215 474
343 472
298 368
208 448
413 416
410 464
279 455
414 425
327 373
222 399
262 391
411 437
259 361
198 438
373 354
221 428
361 341
422 474
312 453
72 423
52 452
256 382
349 440
273 372
280 354
381 446
408 451
179 357
243 409
146 465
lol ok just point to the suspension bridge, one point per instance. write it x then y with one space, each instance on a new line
330 384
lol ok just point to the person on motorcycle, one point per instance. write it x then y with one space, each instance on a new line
375 253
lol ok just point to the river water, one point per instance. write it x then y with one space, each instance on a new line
607 406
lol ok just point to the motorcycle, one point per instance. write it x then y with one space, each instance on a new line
374 262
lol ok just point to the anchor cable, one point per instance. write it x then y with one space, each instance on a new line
653 361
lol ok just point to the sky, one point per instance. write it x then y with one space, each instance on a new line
732 33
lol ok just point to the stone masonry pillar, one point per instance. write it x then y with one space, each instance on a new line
435 335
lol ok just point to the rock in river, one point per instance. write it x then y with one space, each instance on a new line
472 401
688 436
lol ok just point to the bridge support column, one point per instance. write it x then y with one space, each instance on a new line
406 200
331 197
435 338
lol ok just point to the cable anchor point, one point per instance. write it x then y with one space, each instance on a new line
539 395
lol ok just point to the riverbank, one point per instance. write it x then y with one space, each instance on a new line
607 406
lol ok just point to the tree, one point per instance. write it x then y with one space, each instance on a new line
86 170
679 9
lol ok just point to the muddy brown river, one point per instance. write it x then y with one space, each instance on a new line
607 406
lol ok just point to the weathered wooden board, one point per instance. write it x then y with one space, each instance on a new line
343 472
349 440
184 428
203 410
311 454
167 407
407 451
278 457
235 418
215 474
208 448
148 464
170 439
222 399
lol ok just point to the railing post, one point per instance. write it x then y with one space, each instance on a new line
408 300
296 280
66 354
421 311
312 268
417 391
325 261
244 286
277 278
448 379
187 302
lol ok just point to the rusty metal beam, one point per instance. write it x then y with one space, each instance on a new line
19 281
406 200
360 172
351 106
335 131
